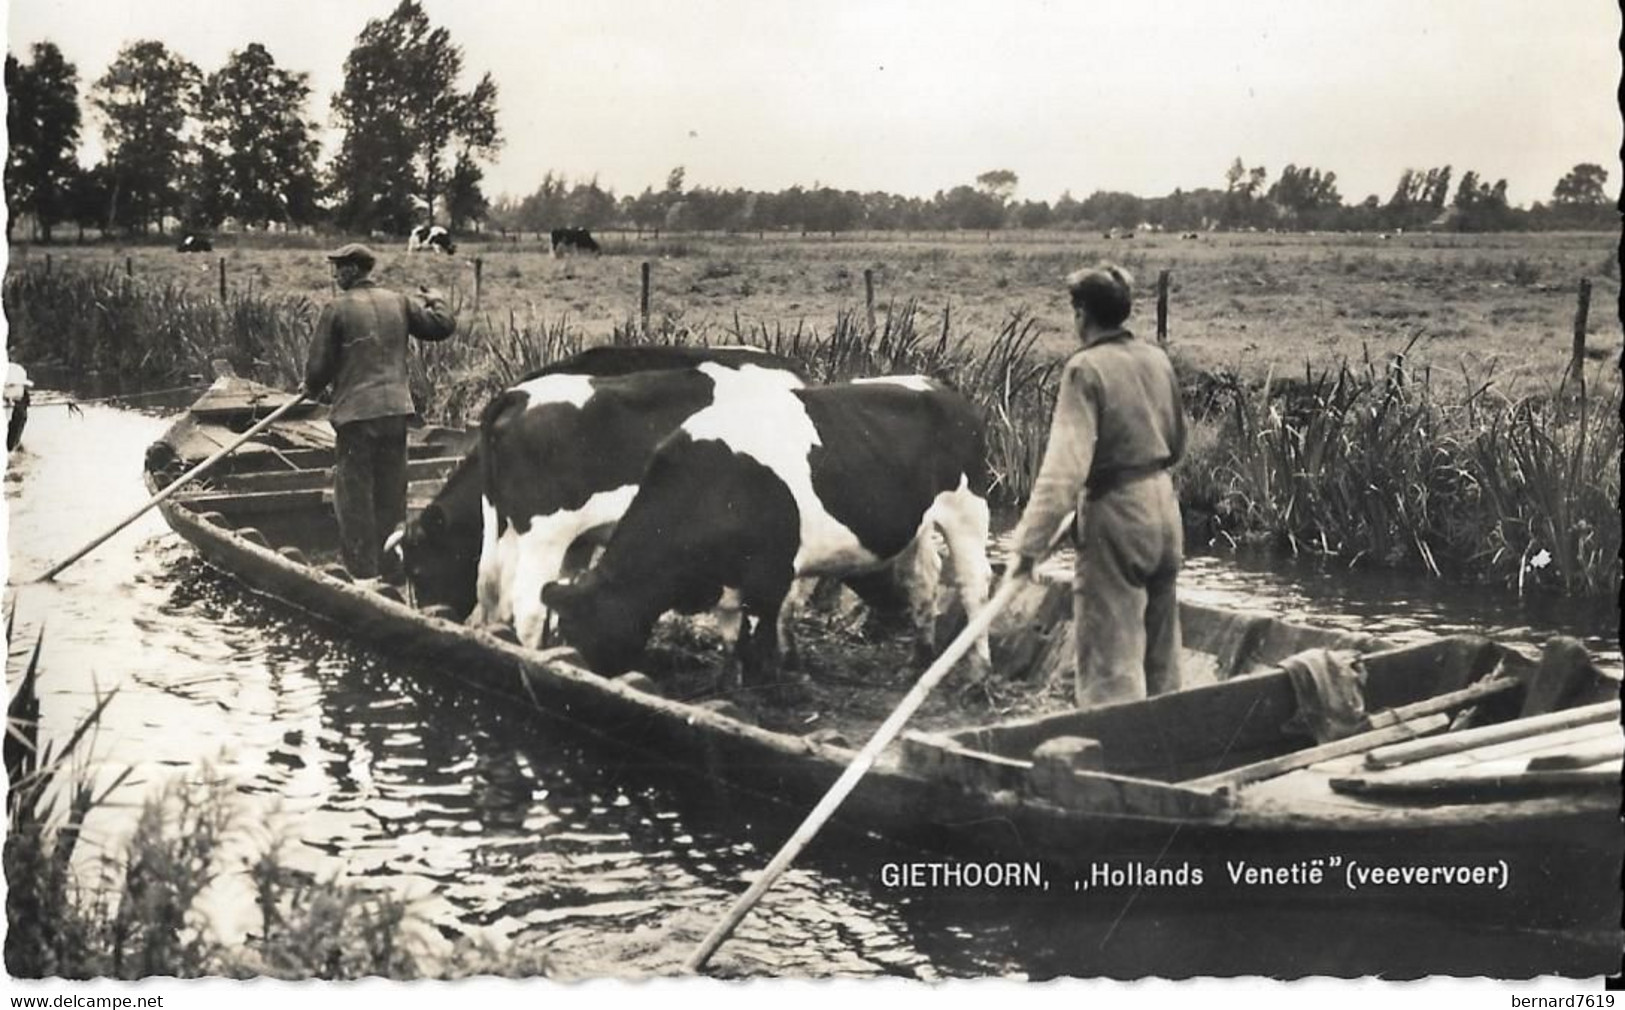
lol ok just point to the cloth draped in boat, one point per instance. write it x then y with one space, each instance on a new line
1329 685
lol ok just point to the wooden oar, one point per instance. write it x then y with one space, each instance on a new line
888 730
176 485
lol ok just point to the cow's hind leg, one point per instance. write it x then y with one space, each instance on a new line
539 559
919 569
962 516
496 549
795 602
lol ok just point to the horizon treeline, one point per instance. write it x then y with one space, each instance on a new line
235 149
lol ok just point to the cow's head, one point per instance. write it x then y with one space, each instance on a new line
604 629
441 566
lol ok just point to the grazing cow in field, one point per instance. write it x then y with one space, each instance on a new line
430 238
750 495
194 244
538 464
569 240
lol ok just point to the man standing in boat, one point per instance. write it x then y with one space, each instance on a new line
359 348
1118 426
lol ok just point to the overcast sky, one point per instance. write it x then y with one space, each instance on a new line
913 96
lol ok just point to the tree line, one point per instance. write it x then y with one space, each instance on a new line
1299 199
235 145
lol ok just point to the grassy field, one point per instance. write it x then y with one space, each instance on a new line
1249 303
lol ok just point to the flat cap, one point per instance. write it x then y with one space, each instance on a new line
353 252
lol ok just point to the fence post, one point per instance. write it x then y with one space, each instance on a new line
1162 308
479 268
47 264
643 301
1577 364
129 267
222 280
869 295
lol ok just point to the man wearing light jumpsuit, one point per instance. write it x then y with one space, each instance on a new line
1118 426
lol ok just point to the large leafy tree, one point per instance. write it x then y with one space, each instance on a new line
257 157
999 183
42 118
1305 195
1586 184
407 127
145 100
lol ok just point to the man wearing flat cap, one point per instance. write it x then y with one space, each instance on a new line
1119 424
359 348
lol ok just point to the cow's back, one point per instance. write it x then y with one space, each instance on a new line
886 451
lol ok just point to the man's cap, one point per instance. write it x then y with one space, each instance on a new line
353 252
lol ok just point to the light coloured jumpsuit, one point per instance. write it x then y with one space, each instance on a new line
1118 426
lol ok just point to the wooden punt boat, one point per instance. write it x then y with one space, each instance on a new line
1217 782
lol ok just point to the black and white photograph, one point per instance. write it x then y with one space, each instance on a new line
871 490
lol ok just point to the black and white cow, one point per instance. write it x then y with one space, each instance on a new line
194 244
430 238
569 240
751 495
440 547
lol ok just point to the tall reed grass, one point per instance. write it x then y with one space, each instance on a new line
1365 462
1369 464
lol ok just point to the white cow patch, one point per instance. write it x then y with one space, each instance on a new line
560 387
522 563
747 380
918 383
773 428
514 567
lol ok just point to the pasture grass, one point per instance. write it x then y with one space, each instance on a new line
1446 447
138 910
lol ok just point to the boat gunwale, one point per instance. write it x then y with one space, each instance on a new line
1242 815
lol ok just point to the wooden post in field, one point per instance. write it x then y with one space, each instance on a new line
869 295
1162 308
479 268
129 267
222 280
1582 313
643 300
47 264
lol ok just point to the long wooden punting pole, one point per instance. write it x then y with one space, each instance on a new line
179 482
976 628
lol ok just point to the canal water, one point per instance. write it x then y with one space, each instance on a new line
519 831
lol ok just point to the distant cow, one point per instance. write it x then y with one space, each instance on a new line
570 240
194 244
748 496
440 547
432 238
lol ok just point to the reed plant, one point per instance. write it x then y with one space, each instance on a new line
1371 464
137 909
1366 461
